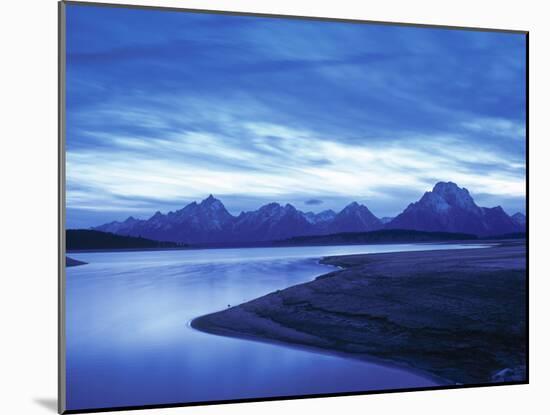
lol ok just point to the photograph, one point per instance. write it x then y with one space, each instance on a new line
260 207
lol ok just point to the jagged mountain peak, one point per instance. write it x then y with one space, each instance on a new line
449 208
354 218
447 187
211 201
270 207
275 209
290 208
352 205
446 207
355 208
446 195
450 191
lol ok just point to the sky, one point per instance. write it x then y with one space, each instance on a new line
165 108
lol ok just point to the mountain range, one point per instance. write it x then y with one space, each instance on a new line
446 208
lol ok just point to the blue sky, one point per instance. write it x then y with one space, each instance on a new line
164 108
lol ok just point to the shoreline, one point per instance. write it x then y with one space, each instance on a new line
487 242
196 324
419 331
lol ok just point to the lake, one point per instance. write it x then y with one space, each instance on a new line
129 341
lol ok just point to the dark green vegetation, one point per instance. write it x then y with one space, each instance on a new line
457 314
84 239
380 236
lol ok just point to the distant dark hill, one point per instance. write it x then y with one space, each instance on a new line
380 236
85 239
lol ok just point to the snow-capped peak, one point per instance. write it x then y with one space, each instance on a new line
447 194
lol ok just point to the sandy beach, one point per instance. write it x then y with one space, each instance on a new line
458 315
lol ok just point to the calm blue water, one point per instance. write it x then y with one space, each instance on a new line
129 341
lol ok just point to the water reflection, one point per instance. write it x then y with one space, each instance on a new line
129 342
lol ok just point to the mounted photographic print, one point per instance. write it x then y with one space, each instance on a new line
258 207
